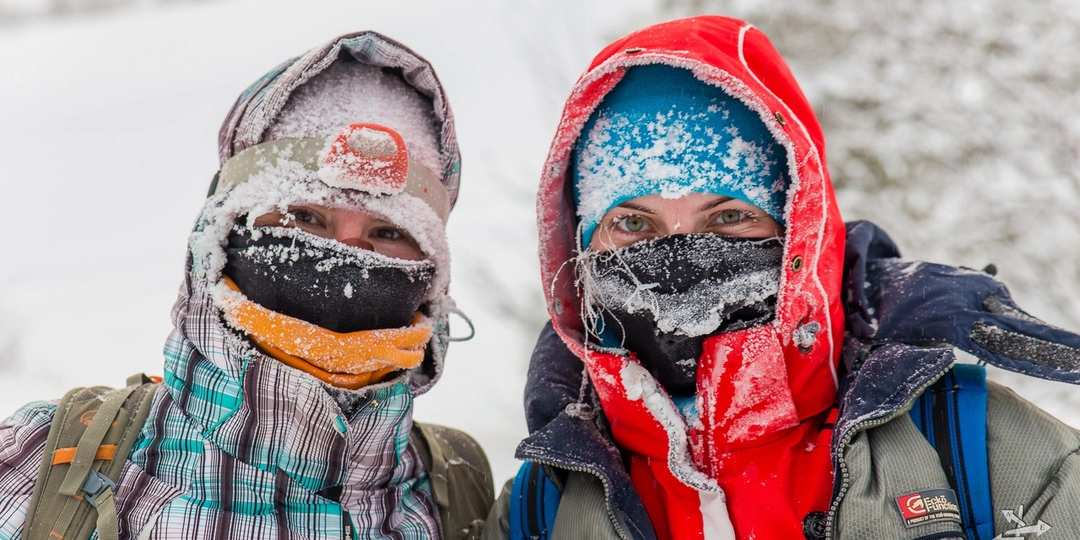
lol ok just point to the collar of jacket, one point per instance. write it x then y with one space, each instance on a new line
273 417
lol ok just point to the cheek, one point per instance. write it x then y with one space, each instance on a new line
268 220
398 249
603 240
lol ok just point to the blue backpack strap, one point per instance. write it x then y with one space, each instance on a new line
952 416
534 501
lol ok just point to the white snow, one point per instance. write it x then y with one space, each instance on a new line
331 100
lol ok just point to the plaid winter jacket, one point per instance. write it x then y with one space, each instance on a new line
238 444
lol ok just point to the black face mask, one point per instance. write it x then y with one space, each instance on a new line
325 282
663 297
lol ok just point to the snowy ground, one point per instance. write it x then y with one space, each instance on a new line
108 130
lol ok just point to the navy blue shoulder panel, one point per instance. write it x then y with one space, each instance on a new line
568 429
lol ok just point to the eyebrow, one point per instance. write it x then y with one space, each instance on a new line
639 208
714 203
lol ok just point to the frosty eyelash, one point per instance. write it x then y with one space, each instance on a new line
746 214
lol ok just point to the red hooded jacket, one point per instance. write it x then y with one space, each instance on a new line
757 463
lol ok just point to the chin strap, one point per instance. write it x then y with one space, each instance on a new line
346 360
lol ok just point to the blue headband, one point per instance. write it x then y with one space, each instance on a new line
663 131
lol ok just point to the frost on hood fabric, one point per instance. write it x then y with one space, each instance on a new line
237 443
757 386
333 99
259 106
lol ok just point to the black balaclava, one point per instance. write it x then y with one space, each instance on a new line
661 298
325 282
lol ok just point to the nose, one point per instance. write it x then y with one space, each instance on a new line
351 229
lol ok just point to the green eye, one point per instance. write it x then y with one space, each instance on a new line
633 223
730 216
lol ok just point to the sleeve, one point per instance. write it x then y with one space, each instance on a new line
497 525
1034 468
22 441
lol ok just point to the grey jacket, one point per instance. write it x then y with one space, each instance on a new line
903 321
1034 475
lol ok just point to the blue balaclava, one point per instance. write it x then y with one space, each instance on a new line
663 131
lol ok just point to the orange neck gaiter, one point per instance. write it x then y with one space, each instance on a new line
345 360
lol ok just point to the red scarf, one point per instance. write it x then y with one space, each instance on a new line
772 464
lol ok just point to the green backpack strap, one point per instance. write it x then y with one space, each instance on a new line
460 478
91 435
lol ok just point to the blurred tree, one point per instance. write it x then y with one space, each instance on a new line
954 125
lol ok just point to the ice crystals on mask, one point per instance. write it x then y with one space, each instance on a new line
330 253
690 284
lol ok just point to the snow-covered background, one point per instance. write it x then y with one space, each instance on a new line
955 125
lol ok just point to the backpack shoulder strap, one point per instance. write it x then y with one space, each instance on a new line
91 435
534 502
460 478
952 416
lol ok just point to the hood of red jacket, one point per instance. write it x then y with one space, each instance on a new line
740 372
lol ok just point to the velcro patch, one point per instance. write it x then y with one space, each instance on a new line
928 506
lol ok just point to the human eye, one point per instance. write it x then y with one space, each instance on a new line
303 215
744 221
306 219
732 216
395 242
389 233
632 223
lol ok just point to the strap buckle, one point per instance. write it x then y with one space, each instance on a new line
95 485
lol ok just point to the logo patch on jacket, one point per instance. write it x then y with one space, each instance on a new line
928 506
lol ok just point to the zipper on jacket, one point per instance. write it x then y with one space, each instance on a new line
830 523
607 492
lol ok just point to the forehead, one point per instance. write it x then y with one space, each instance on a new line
689 202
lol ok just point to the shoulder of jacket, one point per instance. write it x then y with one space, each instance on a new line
22 438
1007 412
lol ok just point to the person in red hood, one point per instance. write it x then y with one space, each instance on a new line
695 379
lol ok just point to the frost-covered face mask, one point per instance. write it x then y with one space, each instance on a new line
325 282
661 298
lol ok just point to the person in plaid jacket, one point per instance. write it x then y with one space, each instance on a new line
313 312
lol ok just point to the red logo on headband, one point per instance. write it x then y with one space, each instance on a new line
366 157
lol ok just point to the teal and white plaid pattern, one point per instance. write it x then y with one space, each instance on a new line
21 435
239 445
